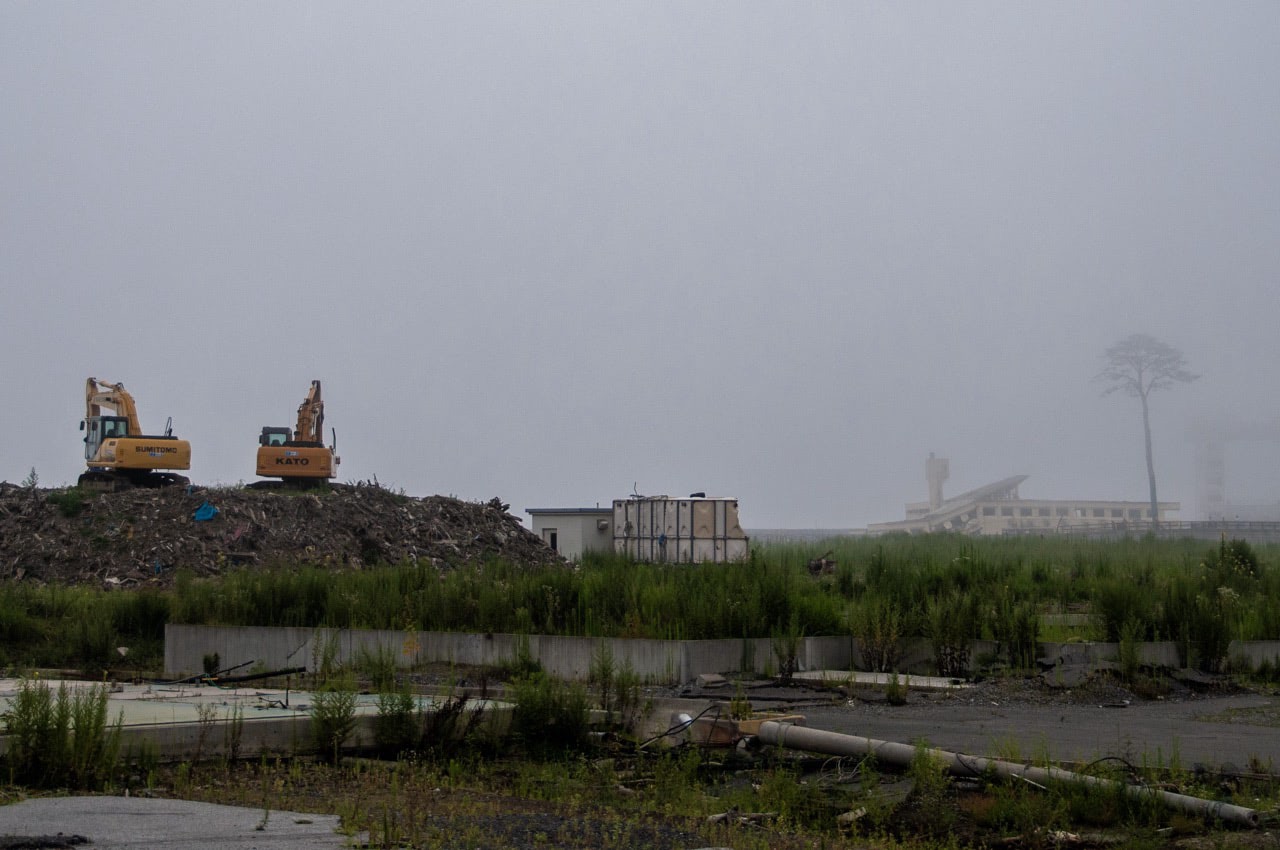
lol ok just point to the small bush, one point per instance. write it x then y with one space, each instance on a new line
879 623
550 716
786 649
448 727
602 674
62 740
522 663
396 726
379 664
94 642
69 502
952 623
1015 625
1130 635
1122 604
895 691
333 718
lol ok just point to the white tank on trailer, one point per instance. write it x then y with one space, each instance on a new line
695 530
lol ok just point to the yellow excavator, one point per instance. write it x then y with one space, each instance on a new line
118 454
299 457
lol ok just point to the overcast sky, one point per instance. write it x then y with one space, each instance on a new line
553 252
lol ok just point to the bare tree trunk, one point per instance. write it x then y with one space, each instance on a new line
1151 467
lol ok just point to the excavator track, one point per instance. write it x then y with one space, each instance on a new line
100 481
291 484
107 481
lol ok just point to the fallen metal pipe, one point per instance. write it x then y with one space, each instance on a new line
251 677
957 764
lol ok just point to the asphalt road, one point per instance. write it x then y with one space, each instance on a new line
1242 731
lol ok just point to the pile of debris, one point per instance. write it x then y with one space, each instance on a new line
145 536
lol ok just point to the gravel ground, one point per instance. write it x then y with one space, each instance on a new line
1219 726
1000 710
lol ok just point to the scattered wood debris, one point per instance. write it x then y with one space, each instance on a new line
143 537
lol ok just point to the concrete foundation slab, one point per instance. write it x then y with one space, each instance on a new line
845 677
144 824
184 721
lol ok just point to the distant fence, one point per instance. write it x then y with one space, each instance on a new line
654 661
1252 531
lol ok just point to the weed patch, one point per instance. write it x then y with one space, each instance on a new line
62 739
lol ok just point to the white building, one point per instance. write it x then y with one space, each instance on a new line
997 508
573 531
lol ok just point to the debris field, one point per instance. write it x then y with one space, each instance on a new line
144 536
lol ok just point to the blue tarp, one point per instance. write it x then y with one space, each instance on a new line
206 511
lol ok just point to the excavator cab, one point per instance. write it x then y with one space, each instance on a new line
274 436
99 428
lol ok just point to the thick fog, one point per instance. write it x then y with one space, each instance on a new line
561 252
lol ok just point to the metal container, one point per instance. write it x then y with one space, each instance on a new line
679 531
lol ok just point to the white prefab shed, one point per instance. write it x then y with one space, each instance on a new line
573 531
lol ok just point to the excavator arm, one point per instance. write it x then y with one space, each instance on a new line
310 428
114 397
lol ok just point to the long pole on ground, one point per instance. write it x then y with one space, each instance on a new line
901 755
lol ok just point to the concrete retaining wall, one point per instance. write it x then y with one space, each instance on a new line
565 657
655 661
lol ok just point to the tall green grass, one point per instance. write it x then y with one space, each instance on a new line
61 740
950 588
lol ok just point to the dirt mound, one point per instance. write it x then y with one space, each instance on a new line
144 536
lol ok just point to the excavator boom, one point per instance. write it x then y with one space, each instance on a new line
114 397
310 428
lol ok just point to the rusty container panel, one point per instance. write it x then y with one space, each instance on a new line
679 531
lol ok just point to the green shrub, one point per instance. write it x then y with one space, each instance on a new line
523 663
1121 604
1233 563
879 624
333 717
896 690
1127 651
550 716
94 642
952 622
69 502
397 725
62 740
786 648
449 726
380 665
1015 626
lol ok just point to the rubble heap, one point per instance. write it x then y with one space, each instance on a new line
145 536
